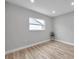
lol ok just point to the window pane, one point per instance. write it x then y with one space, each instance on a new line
35 27
41 21
32 21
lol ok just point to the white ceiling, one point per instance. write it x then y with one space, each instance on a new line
46 6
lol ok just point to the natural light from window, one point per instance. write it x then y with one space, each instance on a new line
36 24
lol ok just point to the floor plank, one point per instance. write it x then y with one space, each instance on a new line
47 50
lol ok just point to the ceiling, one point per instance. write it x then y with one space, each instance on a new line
46 6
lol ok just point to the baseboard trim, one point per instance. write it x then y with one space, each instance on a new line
17 49
65 42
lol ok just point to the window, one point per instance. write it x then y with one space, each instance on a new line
36 24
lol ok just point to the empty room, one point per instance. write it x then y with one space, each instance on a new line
39 29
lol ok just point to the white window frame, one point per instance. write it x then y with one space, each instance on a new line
39 24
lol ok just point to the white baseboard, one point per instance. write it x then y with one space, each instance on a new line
65 42
17 49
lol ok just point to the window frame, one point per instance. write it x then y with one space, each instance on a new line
42 25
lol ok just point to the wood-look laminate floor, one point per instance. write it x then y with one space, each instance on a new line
47 50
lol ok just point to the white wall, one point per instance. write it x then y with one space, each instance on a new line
17 27
64 27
